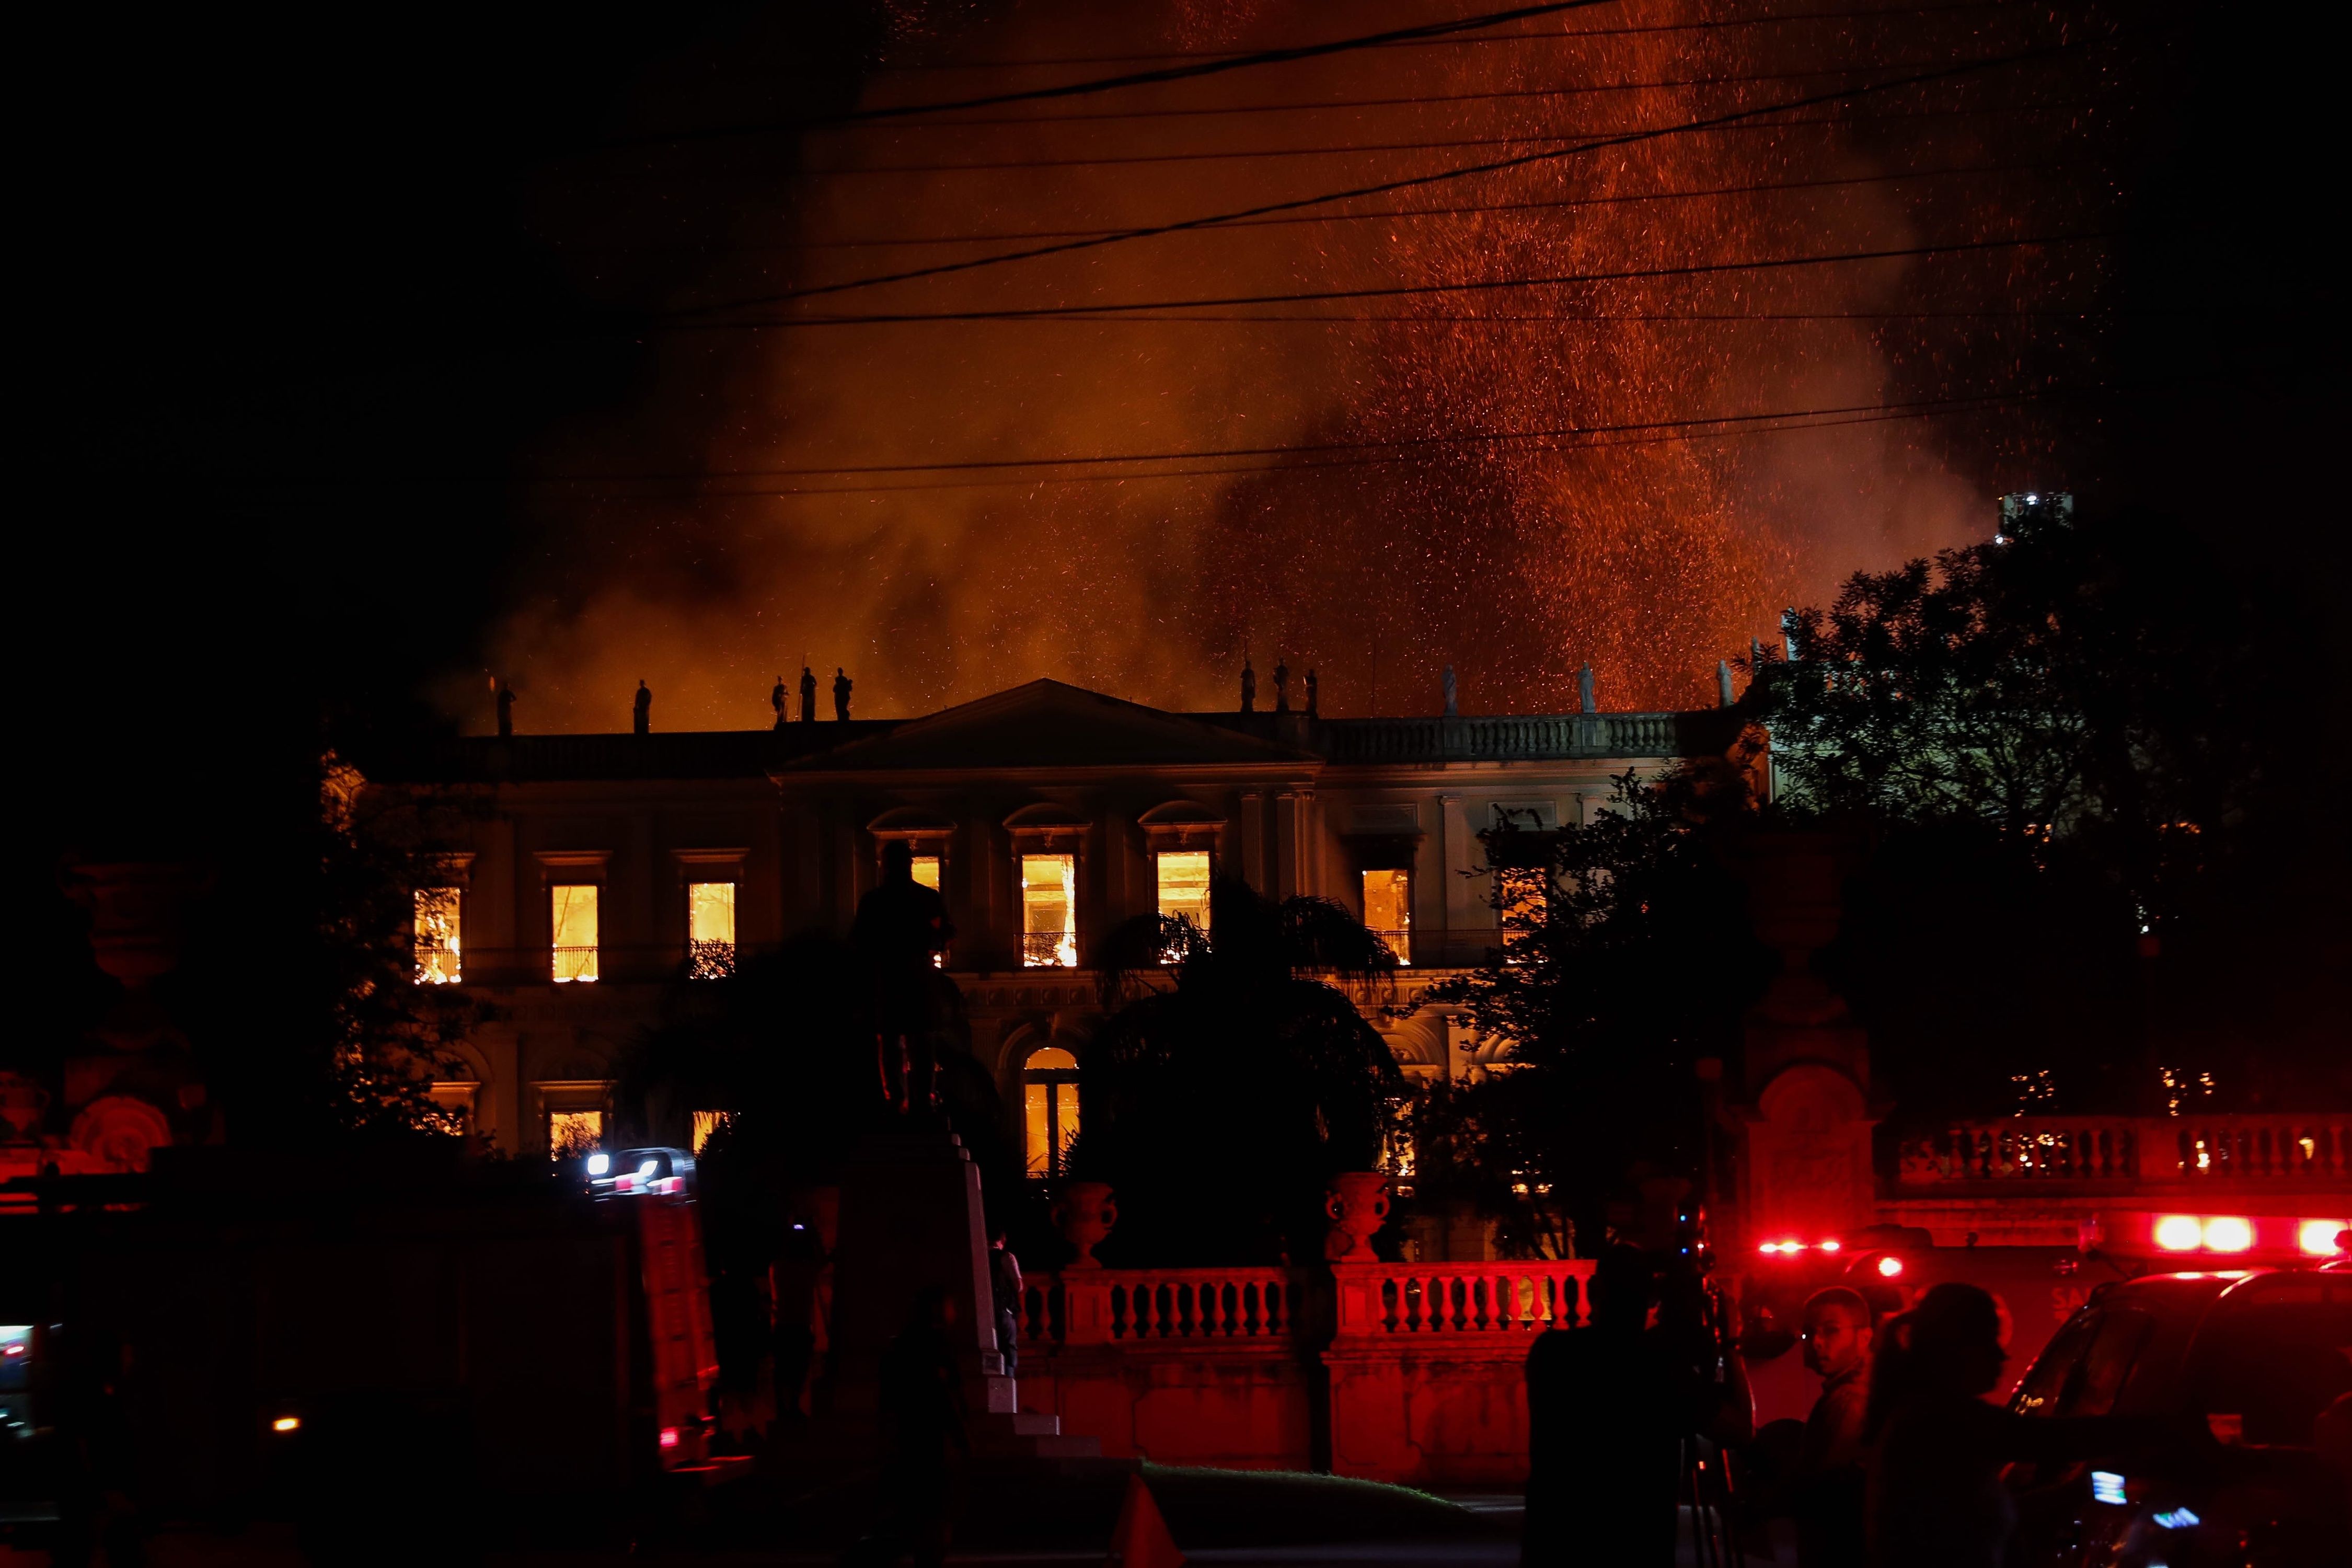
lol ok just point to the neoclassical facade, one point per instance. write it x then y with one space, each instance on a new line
601 870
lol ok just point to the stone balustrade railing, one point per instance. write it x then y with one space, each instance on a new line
1140 1307
1155 1306
1440 1299
1523 737
2126 1150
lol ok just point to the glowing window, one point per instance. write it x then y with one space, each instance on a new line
1049 1104
571 1134
927 874
706 1123
1524 894
1049 912
437 930
1388 910
711 930
1184 885
572 920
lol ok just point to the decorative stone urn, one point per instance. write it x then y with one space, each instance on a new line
22 1103
1085 1215
1357 1203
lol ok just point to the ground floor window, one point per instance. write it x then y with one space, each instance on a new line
1049 1103
573 1133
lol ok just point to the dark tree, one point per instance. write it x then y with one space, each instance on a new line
1626 956
1235 1078
2086 762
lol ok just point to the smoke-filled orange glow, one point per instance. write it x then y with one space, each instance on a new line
1379 545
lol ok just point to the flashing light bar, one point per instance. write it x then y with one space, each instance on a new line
2108 1487
2231 1234
669 1436
287 1423
1793 1248
1890 1266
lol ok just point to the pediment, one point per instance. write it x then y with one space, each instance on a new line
1047 724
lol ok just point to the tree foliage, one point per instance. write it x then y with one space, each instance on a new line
1234 1078
1625 957
2102 828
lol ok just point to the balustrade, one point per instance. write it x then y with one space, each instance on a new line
1150 1306
1459 1299
2122 1150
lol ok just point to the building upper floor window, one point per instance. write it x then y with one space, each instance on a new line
1049 1105
573 1133
1526 893
927 874
571 911
1183 876
709 930
437 932
1388 910
1049 912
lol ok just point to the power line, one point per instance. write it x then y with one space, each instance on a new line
1192 72
1128 311
1380 214
1385 187
1361 148
1711 24
1411 100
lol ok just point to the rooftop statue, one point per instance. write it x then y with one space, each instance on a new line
1282 686
1249 687
808 695
1452 706
1311 713
841 684
1586 701
644 714
777 700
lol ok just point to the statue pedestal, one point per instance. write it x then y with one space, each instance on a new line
911 1219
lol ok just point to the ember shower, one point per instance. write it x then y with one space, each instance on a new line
1385 536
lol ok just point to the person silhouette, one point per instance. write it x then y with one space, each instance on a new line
926 1448
1828 1491
841 684
808 695
641 718
1935 1497
1606 1415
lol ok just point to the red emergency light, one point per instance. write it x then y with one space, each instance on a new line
2228 1234
1791 1248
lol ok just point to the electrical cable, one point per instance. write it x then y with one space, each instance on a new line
1192 72
1413 182
1131 311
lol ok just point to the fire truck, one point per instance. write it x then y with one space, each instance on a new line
388 1347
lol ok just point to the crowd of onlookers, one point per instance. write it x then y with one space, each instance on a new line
1899 1466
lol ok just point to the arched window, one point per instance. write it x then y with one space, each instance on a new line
1049 1103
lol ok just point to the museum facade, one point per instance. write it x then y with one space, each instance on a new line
595 872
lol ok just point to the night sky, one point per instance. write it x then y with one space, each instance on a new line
335 318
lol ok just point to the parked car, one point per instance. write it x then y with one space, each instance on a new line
2257 1355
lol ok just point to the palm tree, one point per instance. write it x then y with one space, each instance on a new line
1234 1078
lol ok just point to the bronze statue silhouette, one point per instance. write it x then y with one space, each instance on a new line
901 930
808 695
1249 687
1312 713
643 716
776 699
505 709
1282 686
841 684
